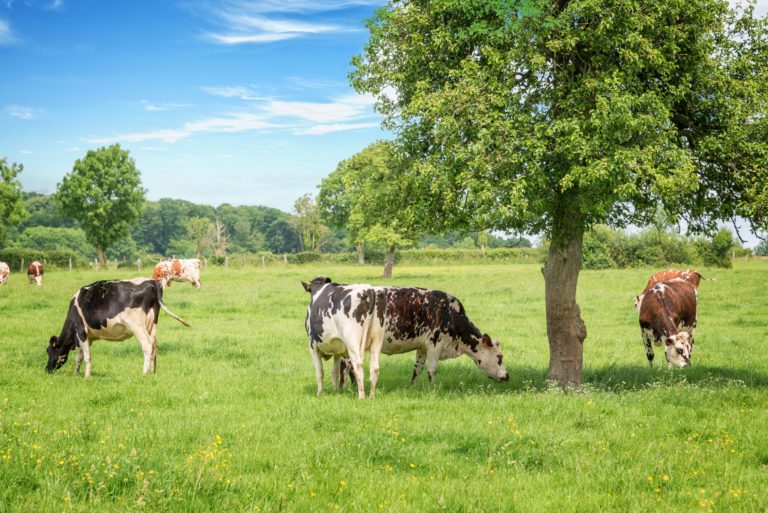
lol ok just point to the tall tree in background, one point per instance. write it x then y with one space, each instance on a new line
12 211
308 223
358 195
103 191
200 230
550 116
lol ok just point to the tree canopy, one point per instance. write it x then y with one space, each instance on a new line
550 116
104 193
12 211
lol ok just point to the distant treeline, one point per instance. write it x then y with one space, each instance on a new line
173 227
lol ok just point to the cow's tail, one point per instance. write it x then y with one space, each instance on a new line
185 323
159 292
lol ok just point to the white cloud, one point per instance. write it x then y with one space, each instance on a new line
26 113
243 93
6 35
244 22
315 112
336 127
239 122
151 107
57 4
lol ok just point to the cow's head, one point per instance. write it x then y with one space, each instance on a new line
57 354
488 357
316 284
678 348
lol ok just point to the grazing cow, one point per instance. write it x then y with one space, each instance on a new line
347 320
178 270
4 272
35 273
668 316
110 310
689 275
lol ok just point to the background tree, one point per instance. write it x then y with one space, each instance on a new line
104 193
200 231
762 248
550 116
220 238
12 211
308 223
358 195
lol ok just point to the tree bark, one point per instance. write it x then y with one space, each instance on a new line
565 329
102 258
360 254
389 262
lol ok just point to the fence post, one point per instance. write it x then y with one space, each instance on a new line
205 259
285 258
138 265
226 262
70 264
263 263
21 268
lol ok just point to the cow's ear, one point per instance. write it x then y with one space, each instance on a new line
306 286
487 341
668 341
327 280
53 341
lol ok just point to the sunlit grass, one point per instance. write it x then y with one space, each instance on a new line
231 421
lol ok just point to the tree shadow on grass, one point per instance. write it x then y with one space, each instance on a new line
395 377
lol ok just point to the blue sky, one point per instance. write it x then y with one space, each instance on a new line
218 101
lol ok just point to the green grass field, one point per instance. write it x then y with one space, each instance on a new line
231 421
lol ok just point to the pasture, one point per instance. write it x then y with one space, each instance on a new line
231 421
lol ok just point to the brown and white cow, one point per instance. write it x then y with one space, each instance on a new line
4 272
668 316
35 273
110 310
178 270
689 275
348 320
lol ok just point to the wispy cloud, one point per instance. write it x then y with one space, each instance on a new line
238 122
27 113
336 127
348 112
56 5
243 93
152 107
243 22
6 35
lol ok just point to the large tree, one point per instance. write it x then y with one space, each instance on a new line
550 116
12 211
104 193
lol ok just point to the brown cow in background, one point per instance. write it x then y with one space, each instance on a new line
35 273
689 275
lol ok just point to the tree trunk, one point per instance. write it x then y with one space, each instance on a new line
389 262
565 329
360 254
102 258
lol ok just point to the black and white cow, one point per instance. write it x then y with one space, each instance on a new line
110 310
668 316
347 320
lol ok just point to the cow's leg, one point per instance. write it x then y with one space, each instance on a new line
318 361
78 359
648 342
356 360
433 356
336 373
374 372
145 340
421 358
153 339
85 347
